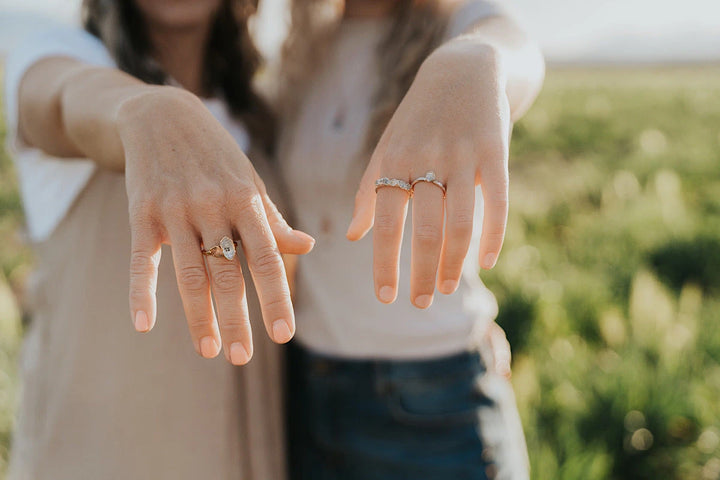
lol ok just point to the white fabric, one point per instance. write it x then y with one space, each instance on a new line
337 312
49 185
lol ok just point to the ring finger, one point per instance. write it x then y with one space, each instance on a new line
428 213
228 288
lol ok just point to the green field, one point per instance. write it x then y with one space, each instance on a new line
609 283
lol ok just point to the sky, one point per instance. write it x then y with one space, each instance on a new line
569 31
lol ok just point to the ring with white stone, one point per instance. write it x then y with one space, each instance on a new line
226 248
393 182
429 178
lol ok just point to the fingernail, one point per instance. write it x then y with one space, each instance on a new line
350 228
142 323
449 286
239 354
489 260
423 301
281 331
208 347
386 294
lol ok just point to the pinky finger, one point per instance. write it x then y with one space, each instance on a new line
144 261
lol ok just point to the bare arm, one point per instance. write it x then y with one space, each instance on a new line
188 185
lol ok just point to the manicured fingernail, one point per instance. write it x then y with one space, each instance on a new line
449 286
489 261
423 301
208 347
238 354
386 294
281 331
142 323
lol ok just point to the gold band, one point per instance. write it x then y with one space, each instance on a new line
226 248
430 178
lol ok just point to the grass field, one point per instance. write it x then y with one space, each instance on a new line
609 283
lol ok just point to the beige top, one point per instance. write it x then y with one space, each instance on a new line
100 401
337 312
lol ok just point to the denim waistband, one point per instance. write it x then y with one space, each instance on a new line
321 364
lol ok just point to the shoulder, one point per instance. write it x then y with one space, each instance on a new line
463 14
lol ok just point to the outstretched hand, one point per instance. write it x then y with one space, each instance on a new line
190 185
454 122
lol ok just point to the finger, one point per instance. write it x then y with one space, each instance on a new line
194 287
289 240
494 183
501 350
427 238
390 212
365 198
144 260
460 205
228 288
267 269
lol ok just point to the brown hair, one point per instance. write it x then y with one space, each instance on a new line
417 28
231 58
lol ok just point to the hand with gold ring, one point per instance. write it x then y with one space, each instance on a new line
189 185
449 134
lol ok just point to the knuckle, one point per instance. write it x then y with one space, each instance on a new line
461 224
244 195
193 278
199 325
141 265
226 280
386 224
266 262
277 302
428 234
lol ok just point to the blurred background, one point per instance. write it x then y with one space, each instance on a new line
609 283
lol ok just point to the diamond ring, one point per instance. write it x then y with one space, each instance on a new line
393 182
226 248
429 178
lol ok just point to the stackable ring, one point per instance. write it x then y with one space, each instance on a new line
393 182
226 248
429 178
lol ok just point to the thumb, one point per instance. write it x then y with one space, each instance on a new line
289 241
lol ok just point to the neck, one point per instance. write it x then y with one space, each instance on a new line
368 8
181 53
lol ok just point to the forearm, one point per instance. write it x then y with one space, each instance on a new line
501 47
69 109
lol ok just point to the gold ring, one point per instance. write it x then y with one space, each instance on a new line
226 248
430 178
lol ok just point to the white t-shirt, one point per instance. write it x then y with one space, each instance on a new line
337 312
49 185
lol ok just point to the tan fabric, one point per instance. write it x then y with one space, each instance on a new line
101 401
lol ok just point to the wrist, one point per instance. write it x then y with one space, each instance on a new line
481 61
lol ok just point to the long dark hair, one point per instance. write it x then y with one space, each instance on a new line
231 58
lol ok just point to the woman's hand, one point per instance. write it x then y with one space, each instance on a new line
454 121
189 185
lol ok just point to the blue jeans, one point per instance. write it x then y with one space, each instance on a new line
383 420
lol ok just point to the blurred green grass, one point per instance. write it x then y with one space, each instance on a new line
609 282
